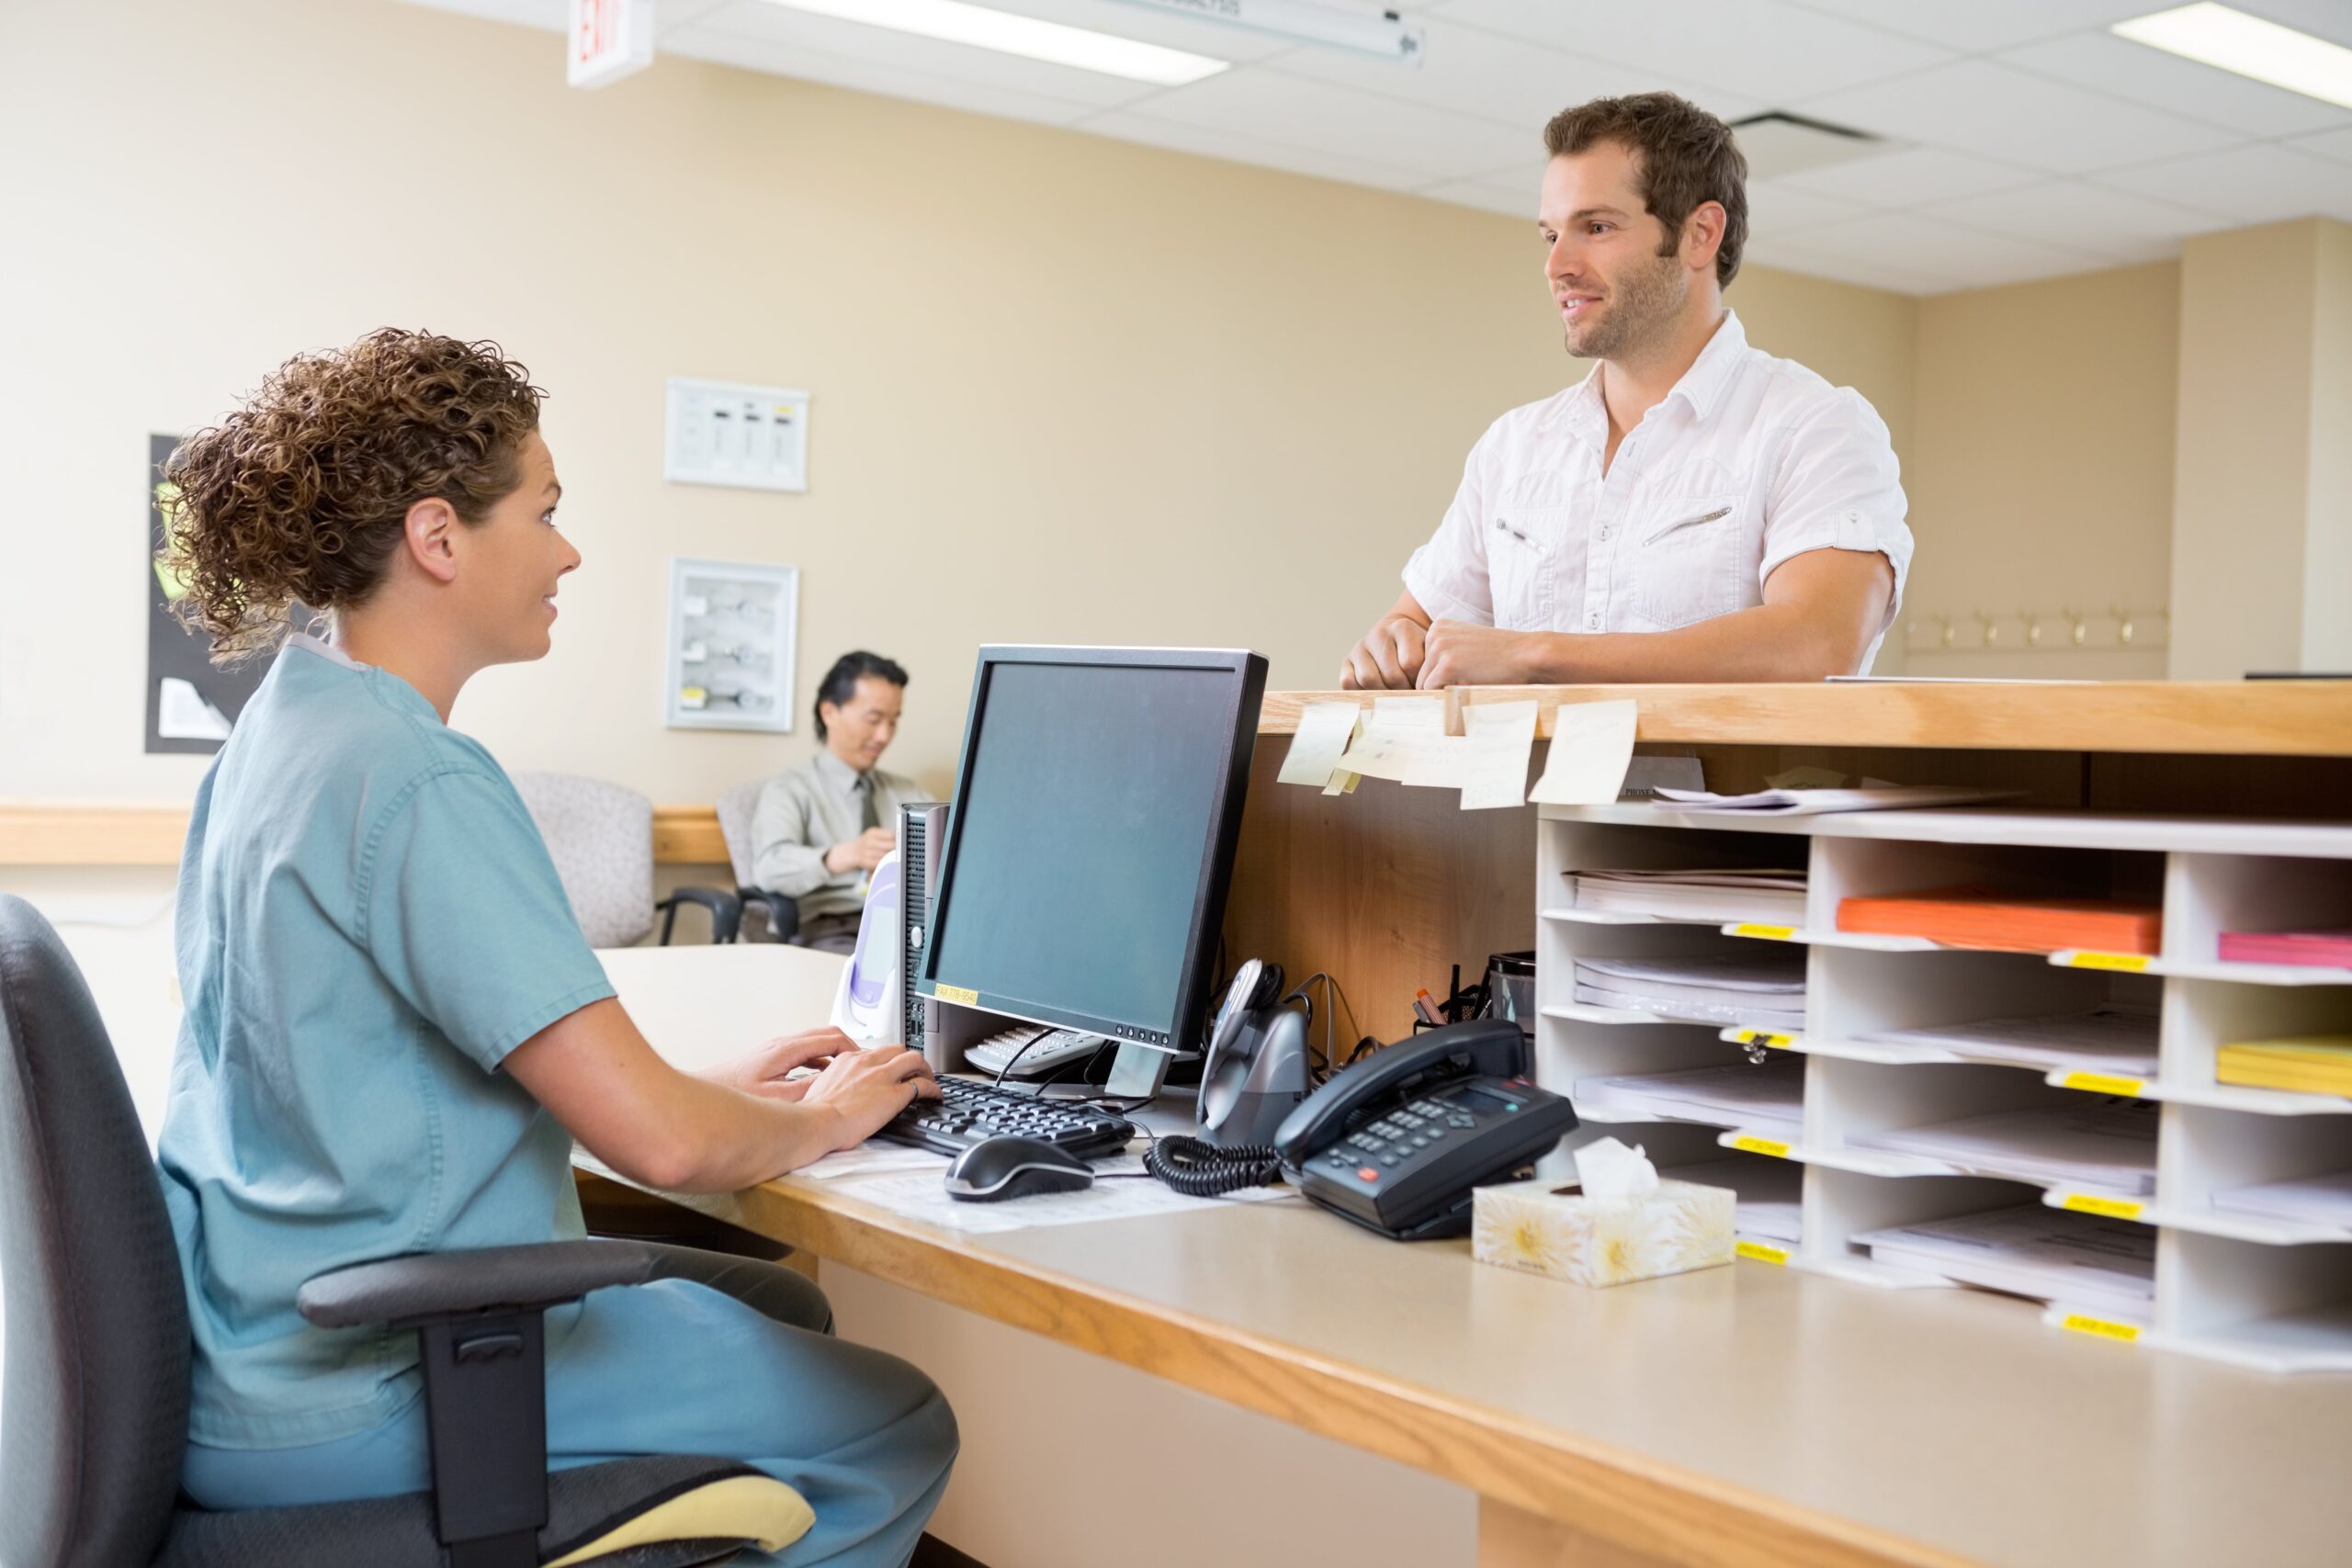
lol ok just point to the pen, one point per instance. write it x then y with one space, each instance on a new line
1425 1005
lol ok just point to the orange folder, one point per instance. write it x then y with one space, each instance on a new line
1976 917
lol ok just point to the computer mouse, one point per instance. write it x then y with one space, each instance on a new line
1014 1168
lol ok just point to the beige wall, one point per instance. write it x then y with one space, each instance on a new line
1067 389
2041 471
2328 539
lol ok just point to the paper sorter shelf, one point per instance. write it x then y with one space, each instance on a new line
2109 1145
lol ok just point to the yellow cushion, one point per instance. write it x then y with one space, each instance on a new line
757 1510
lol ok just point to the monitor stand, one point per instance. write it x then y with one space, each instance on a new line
1138 1071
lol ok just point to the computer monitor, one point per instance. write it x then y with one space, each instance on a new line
1089 847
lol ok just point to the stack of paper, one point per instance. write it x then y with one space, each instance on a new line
2030 1250
1815 802
1765 988
2118 1038
1765 894
2322 949
2315 1200
1971 917
2314 1064
2106 1144
1770 1194
1767 1098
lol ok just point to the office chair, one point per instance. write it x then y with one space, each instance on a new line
601 838
95 1404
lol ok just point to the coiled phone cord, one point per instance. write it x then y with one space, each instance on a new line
1203 1170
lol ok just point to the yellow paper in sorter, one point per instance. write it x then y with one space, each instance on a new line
1324 731
1501 735
1592 745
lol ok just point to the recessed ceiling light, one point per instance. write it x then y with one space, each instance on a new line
2216 35
985 27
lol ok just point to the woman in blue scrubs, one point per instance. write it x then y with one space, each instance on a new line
394 1027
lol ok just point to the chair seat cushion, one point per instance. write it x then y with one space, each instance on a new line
660 1511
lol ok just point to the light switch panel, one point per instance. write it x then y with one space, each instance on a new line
722 433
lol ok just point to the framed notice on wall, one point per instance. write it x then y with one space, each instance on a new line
191 702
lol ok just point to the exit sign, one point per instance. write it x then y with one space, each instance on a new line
609 39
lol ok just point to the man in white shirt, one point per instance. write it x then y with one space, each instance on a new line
1692 509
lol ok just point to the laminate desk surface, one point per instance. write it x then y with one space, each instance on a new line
1745 1415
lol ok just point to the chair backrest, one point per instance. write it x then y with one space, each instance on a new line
94 1404
735 806
601 836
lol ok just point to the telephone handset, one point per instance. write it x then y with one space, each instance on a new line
1398 1141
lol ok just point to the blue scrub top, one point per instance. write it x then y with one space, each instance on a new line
369 922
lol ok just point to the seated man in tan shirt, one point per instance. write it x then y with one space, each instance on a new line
821 829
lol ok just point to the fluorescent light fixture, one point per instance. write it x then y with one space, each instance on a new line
2216 35
983 26
1383 34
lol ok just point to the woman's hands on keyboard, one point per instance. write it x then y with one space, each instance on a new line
864 1089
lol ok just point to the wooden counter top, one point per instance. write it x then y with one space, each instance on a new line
2270 719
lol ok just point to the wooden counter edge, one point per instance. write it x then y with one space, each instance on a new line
2270 718
1634 1503
41 833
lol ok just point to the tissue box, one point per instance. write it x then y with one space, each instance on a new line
1541 1227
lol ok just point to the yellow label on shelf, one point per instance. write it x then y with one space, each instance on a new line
1760 1146
1764 1037
1765 933
2100 1083
2130 962
2105 1207
959 994
2106 1328
1761 1253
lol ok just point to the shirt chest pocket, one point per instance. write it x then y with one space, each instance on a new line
1523 566
1688 557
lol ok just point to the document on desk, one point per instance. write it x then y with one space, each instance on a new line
1122 1190
1592 745
1324 731
874 1160
1500 735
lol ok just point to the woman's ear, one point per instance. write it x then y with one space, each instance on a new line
430 535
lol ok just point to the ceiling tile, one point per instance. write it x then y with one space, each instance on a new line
2327 144
2265 182
784 36
1842 268
1911 176
549 15
1471 71
2083 216
1770 50
1978 27
1486 197
1977 107
2106 64
870 76
1933 248
1233 149
1291 111
1774 208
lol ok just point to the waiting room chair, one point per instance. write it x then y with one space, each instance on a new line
600 837
767 916
94 1408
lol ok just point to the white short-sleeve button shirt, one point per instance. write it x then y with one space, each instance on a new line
1748 462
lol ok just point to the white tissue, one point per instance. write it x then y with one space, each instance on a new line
1609 1169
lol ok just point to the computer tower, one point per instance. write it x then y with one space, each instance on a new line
923 828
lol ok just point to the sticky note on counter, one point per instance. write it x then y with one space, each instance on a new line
1324 731
1501 737
1592 745
1410 716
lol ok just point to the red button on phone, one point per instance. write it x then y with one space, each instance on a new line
1366 1173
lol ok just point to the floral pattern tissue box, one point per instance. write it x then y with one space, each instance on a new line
1541 1227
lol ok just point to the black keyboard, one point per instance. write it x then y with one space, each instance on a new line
972 1111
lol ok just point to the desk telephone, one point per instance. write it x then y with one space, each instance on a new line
1397 1141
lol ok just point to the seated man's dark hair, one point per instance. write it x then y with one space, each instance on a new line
840 684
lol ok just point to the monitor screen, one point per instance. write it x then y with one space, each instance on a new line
1092 837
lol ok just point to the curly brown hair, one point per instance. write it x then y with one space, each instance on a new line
302 493
1686 156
